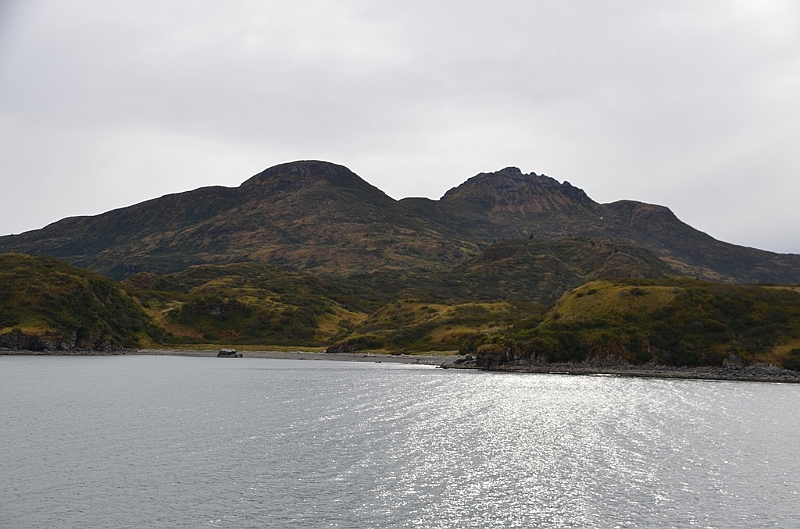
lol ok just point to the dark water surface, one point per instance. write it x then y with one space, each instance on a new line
148 441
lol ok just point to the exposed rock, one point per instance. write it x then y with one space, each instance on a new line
608 360
54 342
734 361
341 348
766 369
492 355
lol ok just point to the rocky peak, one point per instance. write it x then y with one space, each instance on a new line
293 176
512 190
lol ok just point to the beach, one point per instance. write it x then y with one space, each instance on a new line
754 373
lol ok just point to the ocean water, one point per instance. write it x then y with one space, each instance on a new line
149 441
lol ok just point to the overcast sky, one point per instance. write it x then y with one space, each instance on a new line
690 104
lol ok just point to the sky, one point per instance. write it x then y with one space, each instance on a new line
693 104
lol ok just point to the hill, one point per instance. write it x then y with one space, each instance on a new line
260 303
321 217
484 307
666 321
48 304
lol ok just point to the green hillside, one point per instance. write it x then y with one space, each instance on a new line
46 303
257 303
502 306
668 321
541 270
252 303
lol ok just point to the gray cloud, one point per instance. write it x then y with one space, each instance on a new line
693 105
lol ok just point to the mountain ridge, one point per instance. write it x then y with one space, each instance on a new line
321 217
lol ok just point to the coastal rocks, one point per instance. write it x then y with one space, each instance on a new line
755 373
607 360
734 361
50 341
341 348
55 343
766 369
16 340
491 355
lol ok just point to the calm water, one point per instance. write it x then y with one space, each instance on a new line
193 442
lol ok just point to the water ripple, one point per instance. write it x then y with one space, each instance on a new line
189 442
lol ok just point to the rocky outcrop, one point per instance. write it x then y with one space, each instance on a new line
341 348
489 356
734 361
498 360
53 342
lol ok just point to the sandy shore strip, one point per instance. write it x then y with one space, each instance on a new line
426 359
756 373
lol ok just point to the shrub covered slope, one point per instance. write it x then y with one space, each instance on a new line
46 303
523 301
668 321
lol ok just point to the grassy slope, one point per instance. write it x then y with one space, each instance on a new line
250 303
71 306
497 298
258 303
669 321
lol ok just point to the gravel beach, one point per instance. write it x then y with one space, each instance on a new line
754 373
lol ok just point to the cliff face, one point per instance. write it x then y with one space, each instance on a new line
322 217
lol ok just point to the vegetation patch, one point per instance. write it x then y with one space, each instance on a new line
671 322
46 303
495 306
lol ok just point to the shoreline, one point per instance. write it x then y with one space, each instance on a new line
756 373
423 359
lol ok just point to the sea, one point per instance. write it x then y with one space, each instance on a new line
168 441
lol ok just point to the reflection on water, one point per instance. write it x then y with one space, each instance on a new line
188 442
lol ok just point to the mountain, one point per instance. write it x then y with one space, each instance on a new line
321 217
510 204
304 215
